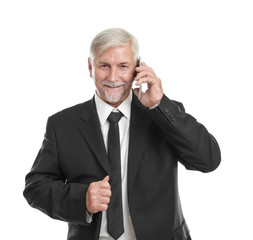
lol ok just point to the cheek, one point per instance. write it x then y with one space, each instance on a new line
99 77
128 77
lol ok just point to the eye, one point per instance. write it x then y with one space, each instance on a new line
124 66
103 66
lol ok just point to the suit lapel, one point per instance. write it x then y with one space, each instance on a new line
91 131
139 126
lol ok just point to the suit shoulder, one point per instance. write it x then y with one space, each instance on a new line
70 112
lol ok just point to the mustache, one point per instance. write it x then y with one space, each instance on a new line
113 84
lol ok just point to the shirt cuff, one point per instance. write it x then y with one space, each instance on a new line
154 106
89 217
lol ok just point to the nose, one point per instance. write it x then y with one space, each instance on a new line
113 75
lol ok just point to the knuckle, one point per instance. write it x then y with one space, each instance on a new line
93 198
92 186
93 192
105 207
110 193
95 206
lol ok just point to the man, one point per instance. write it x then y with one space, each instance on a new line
117 178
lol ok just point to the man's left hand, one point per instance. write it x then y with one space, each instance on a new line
154 93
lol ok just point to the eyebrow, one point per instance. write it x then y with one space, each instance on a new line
106 63
101 62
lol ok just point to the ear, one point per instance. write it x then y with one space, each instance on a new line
90 67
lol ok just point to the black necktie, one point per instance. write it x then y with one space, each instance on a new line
115 225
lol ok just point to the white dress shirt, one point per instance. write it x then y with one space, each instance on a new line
104 110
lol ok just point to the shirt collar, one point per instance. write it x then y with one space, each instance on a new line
104 109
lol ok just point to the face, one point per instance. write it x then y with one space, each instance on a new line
113 73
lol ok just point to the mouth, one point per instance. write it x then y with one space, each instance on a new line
113 84
113 87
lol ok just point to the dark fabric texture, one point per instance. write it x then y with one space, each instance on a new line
73 155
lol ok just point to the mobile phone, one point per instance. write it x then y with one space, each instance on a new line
140 88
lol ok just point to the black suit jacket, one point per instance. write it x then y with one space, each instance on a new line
73 155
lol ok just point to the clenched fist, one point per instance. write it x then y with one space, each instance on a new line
98 196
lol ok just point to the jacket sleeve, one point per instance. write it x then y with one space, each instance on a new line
197 148
47 188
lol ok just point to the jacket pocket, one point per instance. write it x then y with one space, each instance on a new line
182 233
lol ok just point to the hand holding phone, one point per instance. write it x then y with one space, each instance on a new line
154 93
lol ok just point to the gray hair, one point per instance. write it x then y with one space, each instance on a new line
113 37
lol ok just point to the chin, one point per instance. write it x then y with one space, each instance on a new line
114 98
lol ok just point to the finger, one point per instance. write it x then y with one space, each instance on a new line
101 200
147 80
145 73
106 179
143 64
103 207
136 91
104 200
98 208
105 192
144 67
105 184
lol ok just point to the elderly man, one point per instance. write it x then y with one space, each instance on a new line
108 166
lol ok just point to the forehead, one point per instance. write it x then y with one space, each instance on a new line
116 53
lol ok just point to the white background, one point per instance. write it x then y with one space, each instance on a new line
202 51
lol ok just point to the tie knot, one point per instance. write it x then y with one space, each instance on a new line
114 117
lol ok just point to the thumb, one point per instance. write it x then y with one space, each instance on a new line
136 91
106 179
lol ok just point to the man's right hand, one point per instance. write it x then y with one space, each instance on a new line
98 196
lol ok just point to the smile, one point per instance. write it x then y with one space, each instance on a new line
114 86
